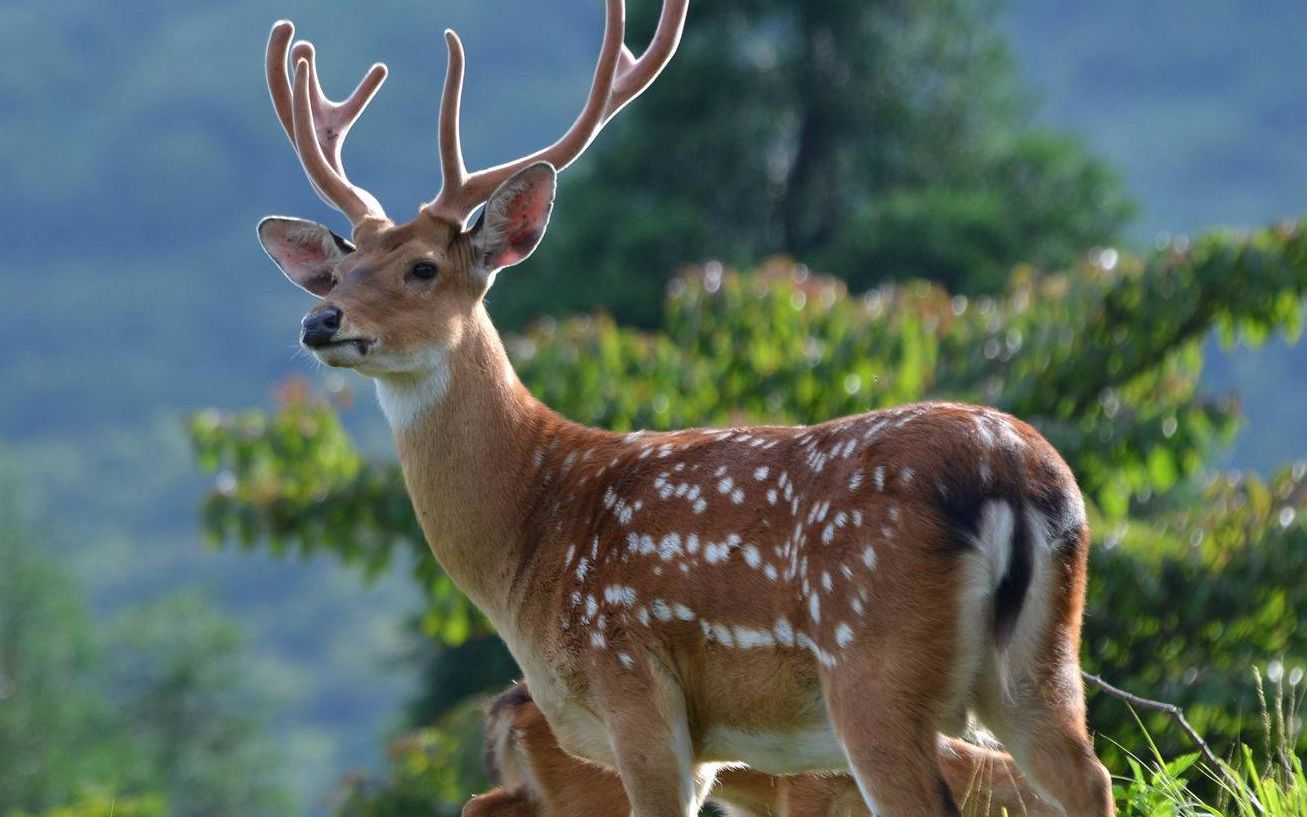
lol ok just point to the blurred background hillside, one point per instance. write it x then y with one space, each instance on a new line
950 140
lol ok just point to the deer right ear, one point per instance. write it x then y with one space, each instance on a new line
305 251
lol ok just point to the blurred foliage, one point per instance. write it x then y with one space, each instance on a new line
175 673
1193 581
432 770
1187 600
145 716
878 141
99 804
48 715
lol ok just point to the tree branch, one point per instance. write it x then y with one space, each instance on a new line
1176 712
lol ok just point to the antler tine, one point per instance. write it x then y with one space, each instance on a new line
452 169
634 76
317 126
283 31
363 210
334 119
462 192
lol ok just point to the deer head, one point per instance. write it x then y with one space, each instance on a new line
399 297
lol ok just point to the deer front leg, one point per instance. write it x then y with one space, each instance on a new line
649 731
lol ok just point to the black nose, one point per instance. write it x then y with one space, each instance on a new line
320 326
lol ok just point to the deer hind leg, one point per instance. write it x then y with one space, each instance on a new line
1041 721
891 750
885 697
1033 699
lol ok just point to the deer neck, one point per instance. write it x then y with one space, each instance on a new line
465 431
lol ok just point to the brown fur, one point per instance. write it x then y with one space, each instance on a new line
536 778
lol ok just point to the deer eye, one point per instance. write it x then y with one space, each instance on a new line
425 270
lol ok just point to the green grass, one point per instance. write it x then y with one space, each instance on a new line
1244 785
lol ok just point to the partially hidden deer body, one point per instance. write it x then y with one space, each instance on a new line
534 777
793 598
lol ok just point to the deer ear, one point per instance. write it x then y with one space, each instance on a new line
306 251
515 217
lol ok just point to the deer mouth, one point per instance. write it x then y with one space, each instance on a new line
330 350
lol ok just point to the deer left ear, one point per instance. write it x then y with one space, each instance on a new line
515 218
306 251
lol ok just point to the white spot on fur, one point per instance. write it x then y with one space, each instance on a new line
620 594
760 473
660 610
669 547
784 632
843 634
748 638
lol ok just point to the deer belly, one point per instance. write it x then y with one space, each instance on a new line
800 750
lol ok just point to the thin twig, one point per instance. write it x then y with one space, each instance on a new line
1176 712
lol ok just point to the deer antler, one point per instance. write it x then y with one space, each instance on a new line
317 126
619 77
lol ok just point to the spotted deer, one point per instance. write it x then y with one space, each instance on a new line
533 777
794 598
